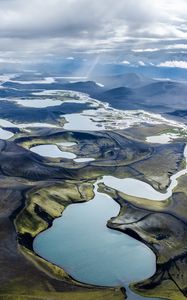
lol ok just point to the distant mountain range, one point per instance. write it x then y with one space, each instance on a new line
127 91
161 97
157 96
130 80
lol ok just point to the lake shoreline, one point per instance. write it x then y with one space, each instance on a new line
25 243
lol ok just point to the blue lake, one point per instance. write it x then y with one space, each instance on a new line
85 248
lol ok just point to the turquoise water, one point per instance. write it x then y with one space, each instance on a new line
85 248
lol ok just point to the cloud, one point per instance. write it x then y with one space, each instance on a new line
174 64
126 62
9 61
68 28
146 50
141 63
169 47
177 46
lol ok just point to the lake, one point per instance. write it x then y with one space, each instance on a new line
82 244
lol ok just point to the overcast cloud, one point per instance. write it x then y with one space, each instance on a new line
44 28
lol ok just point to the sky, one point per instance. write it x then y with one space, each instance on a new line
122 31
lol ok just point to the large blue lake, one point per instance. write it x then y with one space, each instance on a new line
85 248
